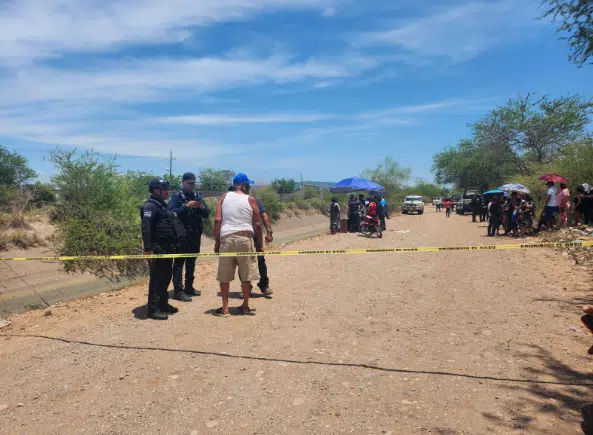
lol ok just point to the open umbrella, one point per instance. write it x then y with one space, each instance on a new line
494 192
554 178
356 184
514 187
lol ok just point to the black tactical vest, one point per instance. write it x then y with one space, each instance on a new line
191 219
169 233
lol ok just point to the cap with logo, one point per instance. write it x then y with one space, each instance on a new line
241 178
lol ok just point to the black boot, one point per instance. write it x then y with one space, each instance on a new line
191 291
179 295
169 309
157 315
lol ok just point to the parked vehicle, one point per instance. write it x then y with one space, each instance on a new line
464 204
370 226
413 204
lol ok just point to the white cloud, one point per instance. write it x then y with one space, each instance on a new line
462 32
45 28
224 119
391 116
156 79
329 12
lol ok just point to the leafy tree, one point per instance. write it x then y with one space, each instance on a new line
215 180
283 185
466 165
425 189
14 168
388 174
527 130
174 181
517 139
577 163
576 18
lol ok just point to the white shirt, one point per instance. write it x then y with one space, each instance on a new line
553 194
237 214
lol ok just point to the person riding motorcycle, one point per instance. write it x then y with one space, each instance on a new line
372 210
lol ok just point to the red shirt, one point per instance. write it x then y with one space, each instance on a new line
372 208
447 204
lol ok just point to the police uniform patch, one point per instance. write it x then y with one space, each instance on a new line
148 214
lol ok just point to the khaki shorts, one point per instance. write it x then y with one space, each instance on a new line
248 270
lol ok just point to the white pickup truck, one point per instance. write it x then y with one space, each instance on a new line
413 204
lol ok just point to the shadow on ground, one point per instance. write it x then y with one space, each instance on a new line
569 379
565 395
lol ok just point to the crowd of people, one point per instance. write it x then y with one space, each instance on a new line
176 228
516 214
358 207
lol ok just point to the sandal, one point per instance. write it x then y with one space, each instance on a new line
248 312
219 313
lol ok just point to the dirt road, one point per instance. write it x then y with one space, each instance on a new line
446 343
29 285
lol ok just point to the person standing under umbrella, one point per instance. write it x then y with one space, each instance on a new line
564 204
353 214
495 211
552 207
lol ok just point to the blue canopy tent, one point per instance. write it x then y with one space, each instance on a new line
356 184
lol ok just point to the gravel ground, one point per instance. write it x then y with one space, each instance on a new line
400 344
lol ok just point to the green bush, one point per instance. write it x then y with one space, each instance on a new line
9 195
209 223
41 194
301 203
271 202
311 192
101 234
283 185
98 214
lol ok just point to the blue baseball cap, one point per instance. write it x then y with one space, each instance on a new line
241 178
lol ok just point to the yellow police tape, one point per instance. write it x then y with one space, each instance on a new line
309 252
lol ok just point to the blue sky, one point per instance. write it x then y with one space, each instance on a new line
274 88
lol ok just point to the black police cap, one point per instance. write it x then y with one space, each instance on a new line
157 183
188 176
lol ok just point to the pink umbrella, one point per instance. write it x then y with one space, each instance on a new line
554 177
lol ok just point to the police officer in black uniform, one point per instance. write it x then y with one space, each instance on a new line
190 208
476 205
162 233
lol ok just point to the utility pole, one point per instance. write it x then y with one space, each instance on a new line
171 158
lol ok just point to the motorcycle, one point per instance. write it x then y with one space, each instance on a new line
370 226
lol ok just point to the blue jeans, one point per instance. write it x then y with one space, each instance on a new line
550 211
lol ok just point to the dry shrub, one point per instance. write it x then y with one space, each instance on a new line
25 239
20 240
14 221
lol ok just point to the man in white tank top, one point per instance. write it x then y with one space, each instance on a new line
237 219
